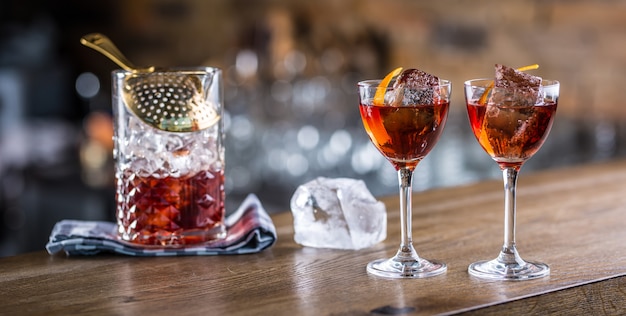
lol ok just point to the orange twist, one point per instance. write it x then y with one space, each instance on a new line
379 97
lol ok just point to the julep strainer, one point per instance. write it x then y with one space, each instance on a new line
167 100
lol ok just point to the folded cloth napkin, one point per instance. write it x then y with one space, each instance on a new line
249 230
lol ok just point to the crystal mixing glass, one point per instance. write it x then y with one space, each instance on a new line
169 156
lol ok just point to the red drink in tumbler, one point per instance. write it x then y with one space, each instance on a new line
172 210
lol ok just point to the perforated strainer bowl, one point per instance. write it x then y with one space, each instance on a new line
176 100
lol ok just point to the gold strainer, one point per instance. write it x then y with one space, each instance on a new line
172 101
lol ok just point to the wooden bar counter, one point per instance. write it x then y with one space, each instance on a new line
574 219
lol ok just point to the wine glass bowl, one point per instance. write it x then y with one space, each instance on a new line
404 129
511 129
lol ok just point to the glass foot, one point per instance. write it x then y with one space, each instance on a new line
497 270
406 269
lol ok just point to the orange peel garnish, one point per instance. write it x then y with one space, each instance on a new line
483 97
379 97
529 67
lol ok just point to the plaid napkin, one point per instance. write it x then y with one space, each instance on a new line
249 230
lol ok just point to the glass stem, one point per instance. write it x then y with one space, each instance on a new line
509 254
405 177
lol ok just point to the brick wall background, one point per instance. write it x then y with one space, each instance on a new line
580 42
310 55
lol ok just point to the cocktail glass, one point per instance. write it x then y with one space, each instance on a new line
510 133
404 133
169 156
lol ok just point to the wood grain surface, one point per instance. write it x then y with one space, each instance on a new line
574 219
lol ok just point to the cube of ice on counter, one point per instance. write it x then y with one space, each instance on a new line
337 213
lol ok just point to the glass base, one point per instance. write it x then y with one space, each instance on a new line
497 270
175 239
406 269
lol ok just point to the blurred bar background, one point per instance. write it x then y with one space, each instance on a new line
290 70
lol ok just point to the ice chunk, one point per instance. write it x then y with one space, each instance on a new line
157 153
510 111
414 86
337 213
513 87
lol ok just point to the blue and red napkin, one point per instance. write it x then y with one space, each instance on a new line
249 230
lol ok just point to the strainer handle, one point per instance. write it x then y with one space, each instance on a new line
104 45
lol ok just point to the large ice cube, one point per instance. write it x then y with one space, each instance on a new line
414 86
337 213
515 88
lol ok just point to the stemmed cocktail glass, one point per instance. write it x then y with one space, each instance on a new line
510 132
404 132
